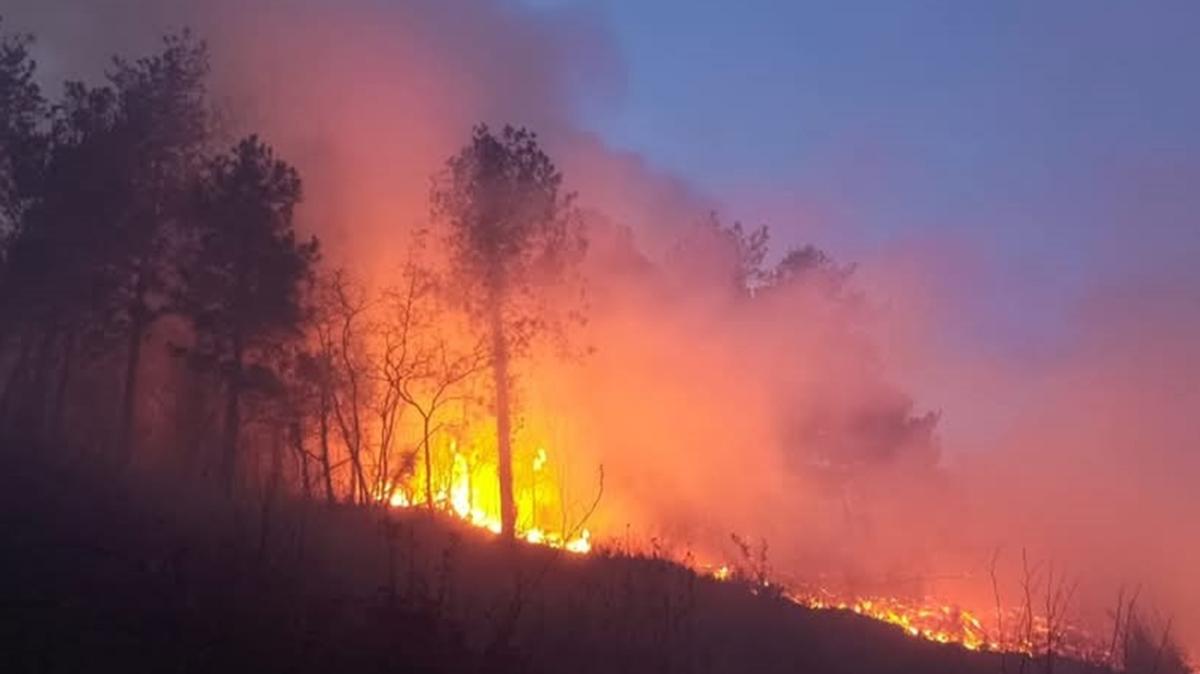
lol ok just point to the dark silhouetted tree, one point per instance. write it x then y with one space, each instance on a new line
424 360
811 266
243 282
514 235
58 272
342 330
308 403
96 247
22 143
163 128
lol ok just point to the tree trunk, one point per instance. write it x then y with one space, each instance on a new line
428 465
36 412
326 467
56 428
361 487
137 332
274 477
233 421
13 381
16 373
508 508
296 429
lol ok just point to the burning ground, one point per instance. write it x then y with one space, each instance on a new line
142 575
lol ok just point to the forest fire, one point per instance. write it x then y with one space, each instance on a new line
417 294
467 490
951 624
934 619
941 623
471 494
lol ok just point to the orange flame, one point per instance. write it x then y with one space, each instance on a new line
472 496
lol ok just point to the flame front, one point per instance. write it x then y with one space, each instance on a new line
934 619
467 489
942 623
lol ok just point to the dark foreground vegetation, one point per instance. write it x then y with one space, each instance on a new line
127 572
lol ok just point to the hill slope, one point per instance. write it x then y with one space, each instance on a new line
108 572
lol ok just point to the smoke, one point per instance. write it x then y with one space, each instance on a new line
1080 451
1098 468
798 417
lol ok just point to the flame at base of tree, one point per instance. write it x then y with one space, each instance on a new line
469 491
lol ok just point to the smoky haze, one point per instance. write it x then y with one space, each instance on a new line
793 417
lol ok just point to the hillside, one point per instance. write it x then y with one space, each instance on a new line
130 572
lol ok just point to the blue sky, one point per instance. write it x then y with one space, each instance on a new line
1062 139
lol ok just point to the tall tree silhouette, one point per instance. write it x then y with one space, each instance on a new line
22 142
59 272
95 247
22 111
163 128
242 285
513 233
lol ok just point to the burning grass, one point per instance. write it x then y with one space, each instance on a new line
929 619
467 492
